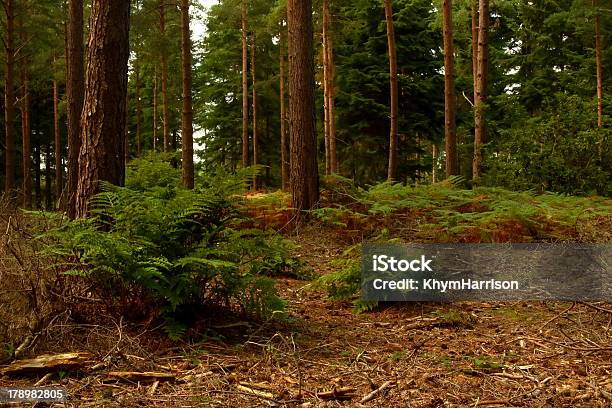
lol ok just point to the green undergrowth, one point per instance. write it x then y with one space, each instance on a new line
154 247
444 213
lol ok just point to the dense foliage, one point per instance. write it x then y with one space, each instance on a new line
446 212
541 88
153 244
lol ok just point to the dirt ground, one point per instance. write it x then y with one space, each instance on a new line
543 354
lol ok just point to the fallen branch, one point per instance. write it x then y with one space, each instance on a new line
377 391
49 363
253 391
593 306
337 393
134 376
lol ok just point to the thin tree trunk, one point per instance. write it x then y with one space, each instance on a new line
37 189
474 14
138 112
255 135
392 171
126 136
155 111
187 117
48 192
304 171
283 115
245 88
103 120
325 96
164 78
598 65
481 90
329 87
450 135
434 161
58 142
9 99
25 133
75 88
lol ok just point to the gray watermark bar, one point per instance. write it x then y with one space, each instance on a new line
18 395
454 272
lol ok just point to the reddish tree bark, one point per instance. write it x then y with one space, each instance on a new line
103 120
481 89
328 67
598 65
393 88
57 142
9 99
304 171
474 15
255 135
285 170
245 87
450 135
75 89
187 114
325 100
154 119
164 79
25 134
138 112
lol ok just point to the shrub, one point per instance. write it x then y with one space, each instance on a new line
156 246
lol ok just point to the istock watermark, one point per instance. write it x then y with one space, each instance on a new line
451 272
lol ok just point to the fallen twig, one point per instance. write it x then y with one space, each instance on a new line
134 376
337 393
377 391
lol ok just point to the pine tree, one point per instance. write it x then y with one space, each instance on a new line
104 112
304 170
392 172
187 114
75 84
450 135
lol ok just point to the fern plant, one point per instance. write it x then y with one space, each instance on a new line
175 248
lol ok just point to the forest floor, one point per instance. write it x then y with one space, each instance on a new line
469 354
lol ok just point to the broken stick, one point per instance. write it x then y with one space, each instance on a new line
377 391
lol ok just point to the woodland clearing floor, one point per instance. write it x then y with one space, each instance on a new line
524 354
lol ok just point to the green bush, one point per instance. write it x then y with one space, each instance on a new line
561 150
155 245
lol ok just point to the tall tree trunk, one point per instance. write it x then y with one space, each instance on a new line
474 15
283 115
434 161
58 142
187 117
25 133
48 191
126 137
155 110
103 121
138 112
450 135
328 50
255 135
325 97
392 171
37 189
598 65
481 90
75 89
245 87
9 98
304 171
164 78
